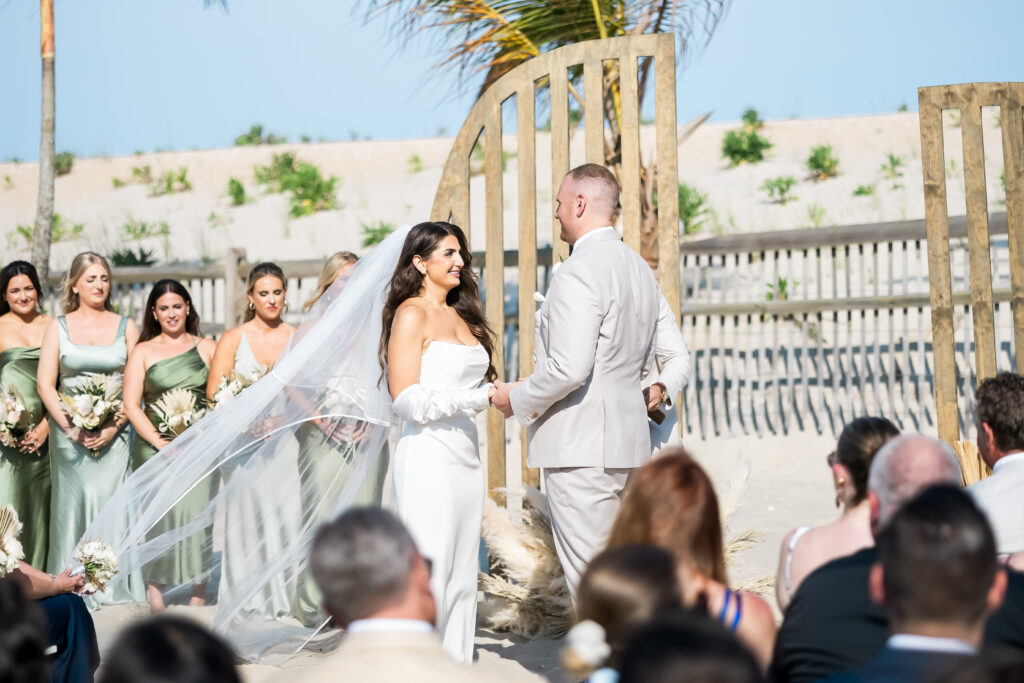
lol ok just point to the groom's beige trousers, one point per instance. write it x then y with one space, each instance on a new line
584 502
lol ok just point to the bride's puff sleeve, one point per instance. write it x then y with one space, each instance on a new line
421 404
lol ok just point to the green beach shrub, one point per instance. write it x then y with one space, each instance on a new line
63 162
778 189
236 191
746 145
376 232
822 164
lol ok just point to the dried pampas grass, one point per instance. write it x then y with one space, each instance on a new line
972 467
526 590
11 552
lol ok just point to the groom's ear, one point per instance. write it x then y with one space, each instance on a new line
581 204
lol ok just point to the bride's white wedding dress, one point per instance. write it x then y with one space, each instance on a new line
439 487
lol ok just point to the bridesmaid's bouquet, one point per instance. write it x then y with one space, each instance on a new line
11 552
231 385
177 410
95 400
12 409
97 561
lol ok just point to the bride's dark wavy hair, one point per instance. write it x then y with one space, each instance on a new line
406 283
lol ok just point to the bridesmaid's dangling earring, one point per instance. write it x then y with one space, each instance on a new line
251 306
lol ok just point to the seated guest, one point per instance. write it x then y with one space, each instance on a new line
938 579
832 625
168 649
69 627
686 647
805 549
376 584
999 405
670 503
621 589
23 639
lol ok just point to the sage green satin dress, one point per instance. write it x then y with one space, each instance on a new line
25 477
188 371
81 482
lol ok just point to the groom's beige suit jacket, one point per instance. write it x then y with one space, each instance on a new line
394 657
583 405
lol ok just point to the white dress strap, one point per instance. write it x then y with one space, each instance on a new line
789 555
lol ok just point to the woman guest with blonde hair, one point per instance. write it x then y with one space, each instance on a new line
86 465
671 504
25 467
252 349
170 355
337 265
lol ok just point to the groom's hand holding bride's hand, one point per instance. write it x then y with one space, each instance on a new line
499 397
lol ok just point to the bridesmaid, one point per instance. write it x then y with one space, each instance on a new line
256 535
89 338
337 265
323 468
25 470
170 354
255 345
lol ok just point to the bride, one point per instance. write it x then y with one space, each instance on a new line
437 353
436 348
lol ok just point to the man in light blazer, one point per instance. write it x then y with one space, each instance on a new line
377 585
999 405
583 406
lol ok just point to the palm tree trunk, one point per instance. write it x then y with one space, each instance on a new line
44 210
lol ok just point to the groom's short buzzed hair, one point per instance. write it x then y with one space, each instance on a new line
362 562
601 176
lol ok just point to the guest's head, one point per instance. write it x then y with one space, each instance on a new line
621 589
337 265
89 283
23 639
937 572
671 504
904 467
999 405
169 309
586 199
997 666
436 258
266 292
169 649
19 289
686 647
367 567
851 461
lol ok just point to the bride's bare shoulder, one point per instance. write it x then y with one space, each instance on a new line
410 317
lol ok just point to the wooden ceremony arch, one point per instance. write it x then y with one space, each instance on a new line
453 194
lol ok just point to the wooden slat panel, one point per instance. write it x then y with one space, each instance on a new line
526 159
1013 175
593 108
978 242
559 148
930 114
630 198
668 171
495 275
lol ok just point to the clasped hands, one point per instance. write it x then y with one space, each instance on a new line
498 396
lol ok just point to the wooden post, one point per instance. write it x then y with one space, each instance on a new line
234 287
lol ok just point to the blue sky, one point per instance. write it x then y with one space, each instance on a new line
168 74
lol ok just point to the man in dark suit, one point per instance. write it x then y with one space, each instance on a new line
832 625
938 579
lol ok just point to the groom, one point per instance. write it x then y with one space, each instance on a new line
583 406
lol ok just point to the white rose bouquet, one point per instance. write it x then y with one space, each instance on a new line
96 560
94 401
12 410
177 410
231 385
11 552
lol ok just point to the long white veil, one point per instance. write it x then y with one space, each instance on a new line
233 503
